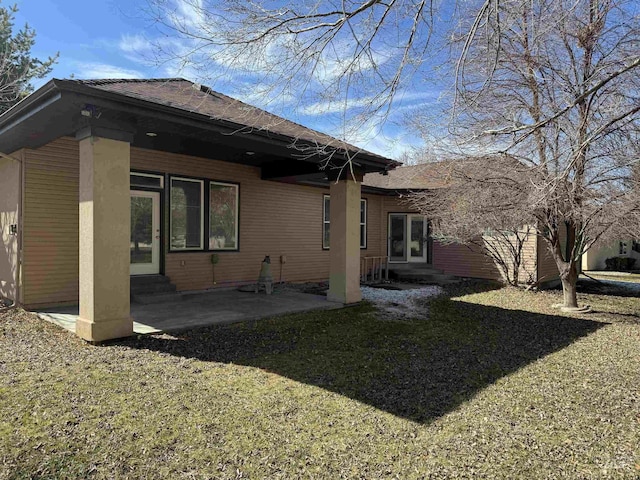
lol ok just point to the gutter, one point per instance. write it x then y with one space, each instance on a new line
208 121
21 189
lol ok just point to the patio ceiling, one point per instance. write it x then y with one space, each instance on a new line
188 124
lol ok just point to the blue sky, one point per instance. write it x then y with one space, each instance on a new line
100 39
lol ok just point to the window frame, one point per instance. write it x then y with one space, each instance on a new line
136 173
237 216
202 212
623 248
363 238
325 222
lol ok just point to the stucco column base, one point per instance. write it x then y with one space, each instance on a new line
344 267
104 329
105 217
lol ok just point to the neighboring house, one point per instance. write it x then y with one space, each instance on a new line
101 180
595 257
537 266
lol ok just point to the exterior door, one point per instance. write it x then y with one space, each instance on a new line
417 235
407 238
145 232
397 237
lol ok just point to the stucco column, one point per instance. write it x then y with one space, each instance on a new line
344 268
105 211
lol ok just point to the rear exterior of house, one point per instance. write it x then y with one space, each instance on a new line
114 179
288 222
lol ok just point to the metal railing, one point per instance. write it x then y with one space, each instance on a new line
374 269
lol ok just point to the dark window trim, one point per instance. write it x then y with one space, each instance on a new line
223 182
203 215
366 222
149 172
206 213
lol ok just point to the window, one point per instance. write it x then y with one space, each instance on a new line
623 248
146 180
223 216
187 219
326 217
636 246
326 222
363 223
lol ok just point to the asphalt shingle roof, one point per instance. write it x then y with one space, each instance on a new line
192 97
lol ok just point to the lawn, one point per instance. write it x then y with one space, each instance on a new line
616 276
494 384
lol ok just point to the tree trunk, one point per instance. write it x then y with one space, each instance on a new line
569 280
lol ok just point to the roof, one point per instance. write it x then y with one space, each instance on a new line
412 177
445 173
196 98
190 116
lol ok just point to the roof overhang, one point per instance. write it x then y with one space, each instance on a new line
63 108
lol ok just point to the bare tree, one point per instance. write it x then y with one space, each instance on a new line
553 83
484 207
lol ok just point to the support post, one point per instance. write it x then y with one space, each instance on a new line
344 268
105 217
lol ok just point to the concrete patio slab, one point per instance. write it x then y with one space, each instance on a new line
200 309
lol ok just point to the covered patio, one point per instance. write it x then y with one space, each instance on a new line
188 140
199 309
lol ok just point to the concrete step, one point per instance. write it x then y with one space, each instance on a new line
417 267
148 279
153 288
162 297
151 285
436 278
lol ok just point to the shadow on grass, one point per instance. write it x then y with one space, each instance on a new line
608 287
418 370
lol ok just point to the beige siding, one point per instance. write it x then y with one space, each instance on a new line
50 271
529 273
595 258
276 219
463 261
547 268
453 259
9 215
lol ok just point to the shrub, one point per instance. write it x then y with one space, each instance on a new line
620 263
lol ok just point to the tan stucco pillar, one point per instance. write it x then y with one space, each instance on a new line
105 210
344 268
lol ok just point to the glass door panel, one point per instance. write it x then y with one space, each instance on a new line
397 238
418 238
145 233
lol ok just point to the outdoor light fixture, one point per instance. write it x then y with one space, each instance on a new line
250 153
152 134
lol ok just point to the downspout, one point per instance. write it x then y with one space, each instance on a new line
18 299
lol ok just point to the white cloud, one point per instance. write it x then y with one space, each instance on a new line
103 70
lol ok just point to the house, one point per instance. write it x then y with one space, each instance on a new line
102 180
595 258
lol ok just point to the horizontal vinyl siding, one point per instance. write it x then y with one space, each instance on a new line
547 268
529 269
453 259
463 261
276 219
51 224
9 215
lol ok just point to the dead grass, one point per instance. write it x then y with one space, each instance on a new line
495 384
620 277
